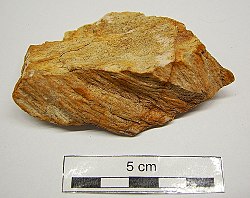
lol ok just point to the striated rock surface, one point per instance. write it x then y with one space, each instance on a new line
125 73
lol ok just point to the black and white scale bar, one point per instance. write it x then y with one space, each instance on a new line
140 182
142 174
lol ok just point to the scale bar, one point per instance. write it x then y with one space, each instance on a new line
142 174
140 182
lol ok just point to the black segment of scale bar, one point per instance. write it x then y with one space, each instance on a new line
143 182
200 182
86 182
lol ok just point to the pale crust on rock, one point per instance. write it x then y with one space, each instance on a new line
126 73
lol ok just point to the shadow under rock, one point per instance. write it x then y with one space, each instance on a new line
72 129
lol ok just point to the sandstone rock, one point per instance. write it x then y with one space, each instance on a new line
125 73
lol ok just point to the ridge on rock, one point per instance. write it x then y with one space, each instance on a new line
126 73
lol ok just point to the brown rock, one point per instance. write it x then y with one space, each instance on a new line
125 73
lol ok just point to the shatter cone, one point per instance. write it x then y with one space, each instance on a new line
125 73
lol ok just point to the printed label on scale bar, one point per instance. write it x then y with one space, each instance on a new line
142 174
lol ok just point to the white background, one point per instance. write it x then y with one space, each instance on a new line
31 151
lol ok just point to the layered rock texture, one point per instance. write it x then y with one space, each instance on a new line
125 73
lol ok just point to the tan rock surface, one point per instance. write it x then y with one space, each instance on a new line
125 73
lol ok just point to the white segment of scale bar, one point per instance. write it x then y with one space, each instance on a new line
172 182
114 182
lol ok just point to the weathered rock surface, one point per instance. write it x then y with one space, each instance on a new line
125 73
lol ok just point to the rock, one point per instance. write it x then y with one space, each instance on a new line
125 73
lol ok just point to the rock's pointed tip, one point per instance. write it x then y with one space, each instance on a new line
227 77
